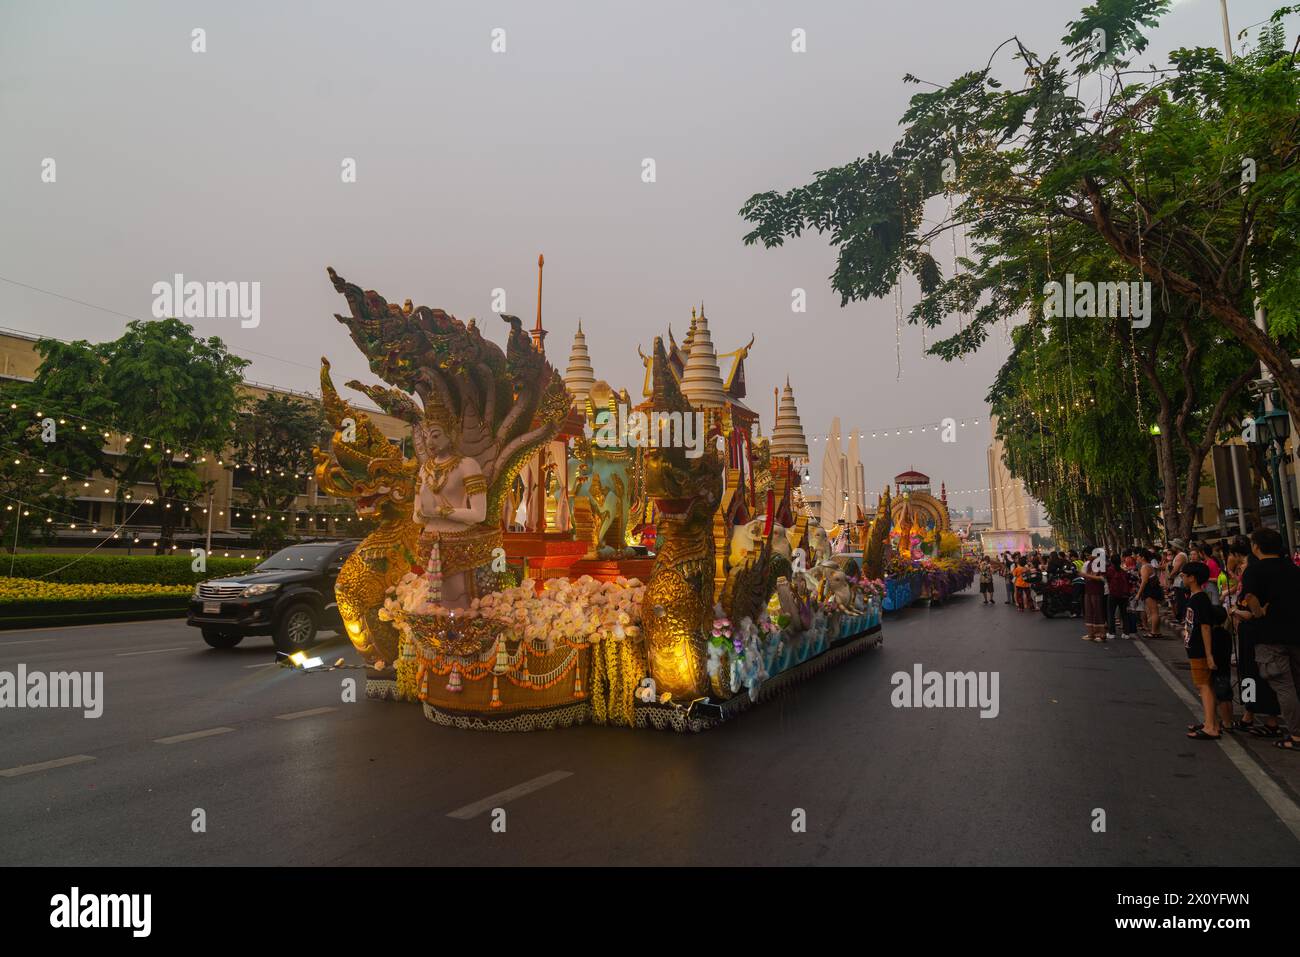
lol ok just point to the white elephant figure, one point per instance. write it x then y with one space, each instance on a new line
819 543
747 539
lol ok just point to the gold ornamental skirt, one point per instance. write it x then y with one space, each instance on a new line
458 552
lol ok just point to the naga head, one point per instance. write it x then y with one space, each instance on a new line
361 464
682 488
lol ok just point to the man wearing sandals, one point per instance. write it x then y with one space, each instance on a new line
1271 585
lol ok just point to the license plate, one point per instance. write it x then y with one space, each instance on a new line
212 608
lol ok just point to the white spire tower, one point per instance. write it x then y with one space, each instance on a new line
580 376
701 377
787 436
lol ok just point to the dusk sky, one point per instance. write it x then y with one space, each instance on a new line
225 166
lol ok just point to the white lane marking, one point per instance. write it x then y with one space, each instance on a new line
45 765
177 738
154 651
29 641
136 625
1255 776
501 797
265 664
303 714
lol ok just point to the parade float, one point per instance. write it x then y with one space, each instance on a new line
554 554
927 560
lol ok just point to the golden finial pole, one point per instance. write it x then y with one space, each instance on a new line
539 334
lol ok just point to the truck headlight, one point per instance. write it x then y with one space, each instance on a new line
253 591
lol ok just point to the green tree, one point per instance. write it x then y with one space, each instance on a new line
44 459
1146 178
1067 426
274 441
173 396
1190 175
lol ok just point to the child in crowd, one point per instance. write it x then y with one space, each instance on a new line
1209 649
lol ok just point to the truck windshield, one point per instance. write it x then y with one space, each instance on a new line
310 557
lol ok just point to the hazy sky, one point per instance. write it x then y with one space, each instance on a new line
225 166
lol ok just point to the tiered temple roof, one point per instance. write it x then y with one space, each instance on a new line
580 375
730 367
701 378
787 436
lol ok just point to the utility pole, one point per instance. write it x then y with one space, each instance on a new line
207 539
18 520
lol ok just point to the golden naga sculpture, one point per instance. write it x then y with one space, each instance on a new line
481 413
877 550
678 604
363 465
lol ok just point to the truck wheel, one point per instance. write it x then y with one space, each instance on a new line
296 629
216 638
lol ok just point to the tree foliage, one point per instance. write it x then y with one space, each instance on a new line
1187 177
274 440
173 395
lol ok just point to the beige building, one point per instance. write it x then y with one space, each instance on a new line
98 512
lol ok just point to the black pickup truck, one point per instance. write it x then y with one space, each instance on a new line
289 596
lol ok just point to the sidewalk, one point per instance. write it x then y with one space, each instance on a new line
1281 767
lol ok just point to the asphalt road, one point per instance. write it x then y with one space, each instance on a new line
299 777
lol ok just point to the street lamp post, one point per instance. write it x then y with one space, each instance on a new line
1273 427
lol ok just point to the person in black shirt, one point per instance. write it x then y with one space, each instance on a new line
1199 619
1272 589
1257 698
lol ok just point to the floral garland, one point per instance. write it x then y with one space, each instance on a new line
579 612
604 617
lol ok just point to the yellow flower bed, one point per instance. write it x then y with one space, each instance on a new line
35 589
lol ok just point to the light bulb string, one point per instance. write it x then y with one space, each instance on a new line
154 499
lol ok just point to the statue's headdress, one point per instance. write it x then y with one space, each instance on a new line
436 413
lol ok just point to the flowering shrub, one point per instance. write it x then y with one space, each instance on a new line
34 589
174 569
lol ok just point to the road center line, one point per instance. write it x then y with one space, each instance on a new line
29 641
1255 776
45 765
501 797
303 714
265 664
154 651
178 738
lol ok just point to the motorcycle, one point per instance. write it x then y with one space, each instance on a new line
1060 593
